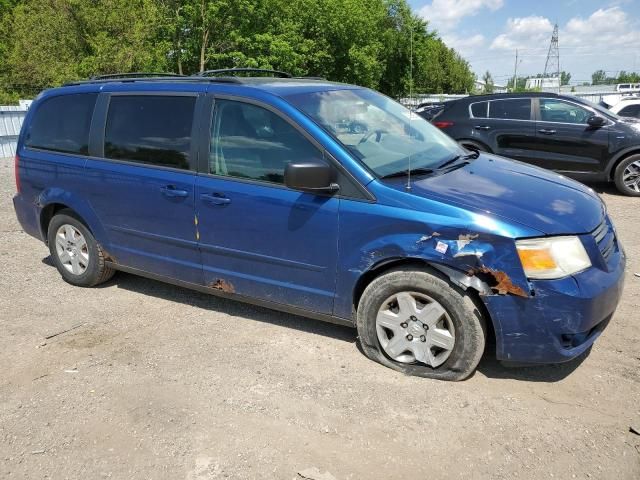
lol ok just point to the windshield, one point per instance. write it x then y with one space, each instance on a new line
380 132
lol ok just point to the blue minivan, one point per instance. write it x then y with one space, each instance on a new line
322 199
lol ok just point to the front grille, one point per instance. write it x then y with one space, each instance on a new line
605 237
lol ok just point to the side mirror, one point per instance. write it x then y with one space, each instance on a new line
312 176
596 121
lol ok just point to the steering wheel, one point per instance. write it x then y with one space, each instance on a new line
378 133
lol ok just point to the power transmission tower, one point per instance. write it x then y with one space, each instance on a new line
552 65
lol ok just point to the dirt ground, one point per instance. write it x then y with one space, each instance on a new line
163 383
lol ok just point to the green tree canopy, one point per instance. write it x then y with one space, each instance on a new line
380 44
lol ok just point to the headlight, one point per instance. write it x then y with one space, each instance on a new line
554 257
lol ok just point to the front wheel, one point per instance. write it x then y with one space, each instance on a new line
420 324
627 176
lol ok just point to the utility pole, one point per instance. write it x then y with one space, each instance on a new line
552 65
515 73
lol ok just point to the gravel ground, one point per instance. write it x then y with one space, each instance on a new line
161 382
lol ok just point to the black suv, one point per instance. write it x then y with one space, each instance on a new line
559 132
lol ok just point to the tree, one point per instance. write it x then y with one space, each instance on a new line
487 79
380 44
598 77
628 77
565 78
521 84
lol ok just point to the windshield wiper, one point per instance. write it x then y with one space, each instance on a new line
470 156
449 162
414 171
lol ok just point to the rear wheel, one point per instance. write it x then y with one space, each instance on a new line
420 324
75 252
627 176
473 146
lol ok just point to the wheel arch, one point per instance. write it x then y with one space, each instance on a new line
472 285
53 201
618 158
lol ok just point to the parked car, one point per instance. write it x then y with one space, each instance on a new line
559 132
429 110
248 188
627 107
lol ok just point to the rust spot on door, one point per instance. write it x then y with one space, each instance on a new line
222 285
498 281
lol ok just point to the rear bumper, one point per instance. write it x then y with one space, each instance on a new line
28 216
562 320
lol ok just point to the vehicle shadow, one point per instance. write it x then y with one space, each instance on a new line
212 303
489 366
492 368
604 187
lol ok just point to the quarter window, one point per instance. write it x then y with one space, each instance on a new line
254 143
150 129
479 110
630 111
552 110
61 124
513 109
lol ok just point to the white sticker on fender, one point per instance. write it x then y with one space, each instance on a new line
442 247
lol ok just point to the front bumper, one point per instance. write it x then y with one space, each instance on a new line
562 318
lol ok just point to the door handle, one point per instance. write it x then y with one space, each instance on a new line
547 132
482 127
215 199
172 192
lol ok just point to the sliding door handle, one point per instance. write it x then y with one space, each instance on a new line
215 199
172 192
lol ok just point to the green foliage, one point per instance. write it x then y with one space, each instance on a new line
380 44
599 77
487 79
628 77
565 78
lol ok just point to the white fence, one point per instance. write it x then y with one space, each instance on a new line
610 98
11 119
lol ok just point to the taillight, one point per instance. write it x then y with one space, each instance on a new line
443 124
17 172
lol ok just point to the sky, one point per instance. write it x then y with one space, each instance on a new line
593 34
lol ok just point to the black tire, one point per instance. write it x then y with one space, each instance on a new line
470 329
473 146
96 271
618 176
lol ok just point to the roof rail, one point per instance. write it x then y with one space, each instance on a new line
231 71
171 78
114 76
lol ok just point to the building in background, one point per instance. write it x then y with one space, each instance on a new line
545 84
479 86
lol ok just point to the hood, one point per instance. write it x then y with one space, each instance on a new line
537 198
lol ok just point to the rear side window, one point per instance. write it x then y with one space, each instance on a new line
630 111
61 124
252 142
150 129
513 109
479 110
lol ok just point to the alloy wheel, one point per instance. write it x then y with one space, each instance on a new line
72 249
631 176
